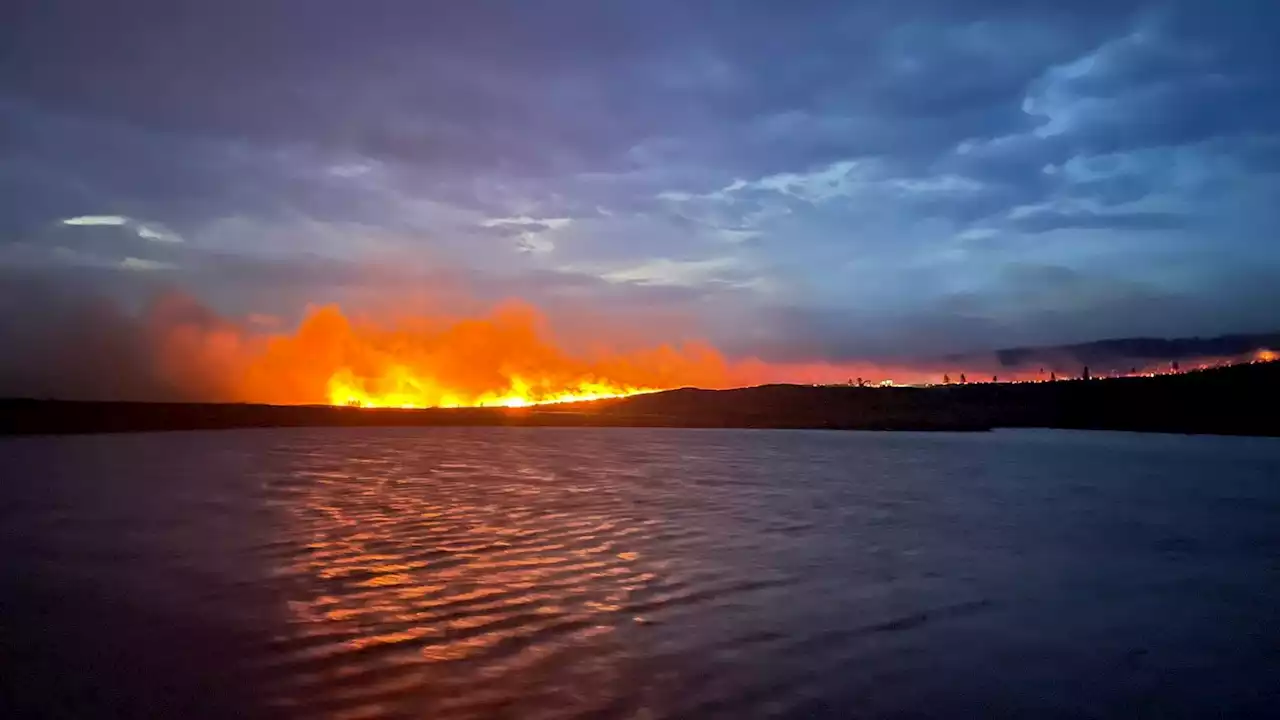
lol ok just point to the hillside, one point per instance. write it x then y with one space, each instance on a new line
1235 400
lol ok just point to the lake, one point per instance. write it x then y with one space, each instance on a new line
550 573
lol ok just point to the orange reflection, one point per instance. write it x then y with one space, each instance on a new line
405 588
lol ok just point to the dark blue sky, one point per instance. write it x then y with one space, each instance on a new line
834 179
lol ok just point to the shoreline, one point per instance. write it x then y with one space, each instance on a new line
1222 401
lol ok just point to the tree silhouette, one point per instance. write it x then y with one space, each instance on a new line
946 379
963 380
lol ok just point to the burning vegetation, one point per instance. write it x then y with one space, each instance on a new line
505 359
510 356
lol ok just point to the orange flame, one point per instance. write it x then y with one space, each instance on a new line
401 387
506 359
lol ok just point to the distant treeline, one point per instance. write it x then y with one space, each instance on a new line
1122 353
1233 400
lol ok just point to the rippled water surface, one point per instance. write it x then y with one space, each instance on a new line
529 573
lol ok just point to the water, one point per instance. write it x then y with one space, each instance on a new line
530 573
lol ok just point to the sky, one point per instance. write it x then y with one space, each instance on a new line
790 180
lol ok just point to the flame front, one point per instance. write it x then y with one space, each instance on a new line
507 358
400 387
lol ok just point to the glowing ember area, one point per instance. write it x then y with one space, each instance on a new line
402 389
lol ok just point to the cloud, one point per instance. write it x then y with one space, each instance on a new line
666 271
92 220
526 223
1044 220
144 265
533 235
833 181
157 233
871 165
351 170
147 231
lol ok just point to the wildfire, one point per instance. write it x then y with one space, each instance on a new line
508 358
401 388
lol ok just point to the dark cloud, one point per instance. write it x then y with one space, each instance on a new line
1049 220
1025 305
865 167
62 341
471 87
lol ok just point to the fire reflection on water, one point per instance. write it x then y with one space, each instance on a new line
405 595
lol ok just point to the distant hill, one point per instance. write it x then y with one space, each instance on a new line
1231 400
1123 353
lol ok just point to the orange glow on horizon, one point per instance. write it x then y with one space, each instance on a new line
507 358
510 357
412 392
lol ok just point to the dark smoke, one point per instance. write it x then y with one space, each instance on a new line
56 343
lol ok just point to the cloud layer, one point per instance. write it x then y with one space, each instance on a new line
845 179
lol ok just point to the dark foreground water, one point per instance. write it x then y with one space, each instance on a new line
529 573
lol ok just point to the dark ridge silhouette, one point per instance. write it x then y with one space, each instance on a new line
1123 352
1232 400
